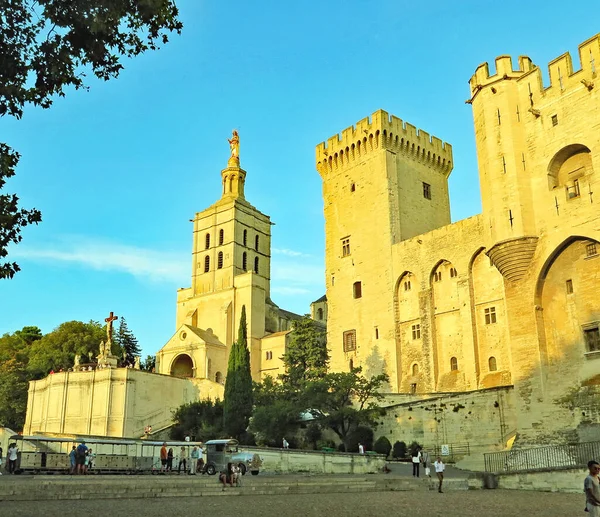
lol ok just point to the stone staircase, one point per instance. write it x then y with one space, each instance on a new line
40 488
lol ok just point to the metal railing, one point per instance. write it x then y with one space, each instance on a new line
541 458
454 452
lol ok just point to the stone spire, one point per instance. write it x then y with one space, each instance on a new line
233 177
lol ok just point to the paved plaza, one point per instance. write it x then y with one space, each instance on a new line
476 503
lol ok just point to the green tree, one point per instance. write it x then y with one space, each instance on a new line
399 451
45 48
343 401
306 357
149 364
237 407
127 343
57 349
382 446
203 420
14 376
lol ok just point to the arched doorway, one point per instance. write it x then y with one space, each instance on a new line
182 366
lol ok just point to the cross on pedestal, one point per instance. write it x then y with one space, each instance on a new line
109 325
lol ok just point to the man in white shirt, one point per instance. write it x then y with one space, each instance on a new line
439 470
361 449
591 486
286 445
12 458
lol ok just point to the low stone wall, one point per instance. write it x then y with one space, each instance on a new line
282 461
551 480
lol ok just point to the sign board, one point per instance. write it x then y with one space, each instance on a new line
445 450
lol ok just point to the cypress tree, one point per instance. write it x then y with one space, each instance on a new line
237 406
128 343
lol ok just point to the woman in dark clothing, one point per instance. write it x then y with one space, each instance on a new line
170 460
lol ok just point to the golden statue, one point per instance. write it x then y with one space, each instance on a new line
234 145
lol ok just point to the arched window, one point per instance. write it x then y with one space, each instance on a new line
351 364
245 237
453 364
208 368
207 241
245 261
220 260
206 264
352 187
218 378
415 369
256 243
492 364
319 314
256 265
221 237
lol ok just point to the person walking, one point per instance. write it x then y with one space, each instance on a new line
164 457
183 455
426 461
286 445
194 455
439 471
591 485
361 449
12 452
416 461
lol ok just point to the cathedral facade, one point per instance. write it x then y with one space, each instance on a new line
509 297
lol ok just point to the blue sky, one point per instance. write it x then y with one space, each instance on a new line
118 171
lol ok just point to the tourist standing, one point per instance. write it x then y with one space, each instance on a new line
591 486
361 449
80 457
416 461
12 457
182 460
286 445
91 458
194 455
439 471
73 459
164 457
170 460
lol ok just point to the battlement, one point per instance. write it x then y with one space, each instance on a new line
382 131
562 75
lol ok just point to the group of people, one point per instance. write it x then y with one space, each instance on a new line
11 455
232 475
81 458
420 457
196 461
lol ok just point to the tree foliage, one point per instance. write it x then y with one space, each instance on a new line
56 350
127 343
203 420
382 446
342 401
149 364
399 451
306 357
46 46
237 407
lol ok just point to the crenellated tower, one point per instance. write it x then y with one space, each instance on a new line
384 181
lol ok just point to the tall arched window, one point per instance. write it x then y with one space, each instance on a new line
493 365
319 314
245 237
206 264
221 236
351 364
218 378
256 265
220 260
207 240
415 369
245 261
256 243
453 364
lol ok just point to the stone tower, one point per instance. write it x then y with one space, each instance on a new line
384 181
231 263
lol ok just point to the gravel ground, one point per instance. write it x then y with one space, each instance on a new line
478 503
